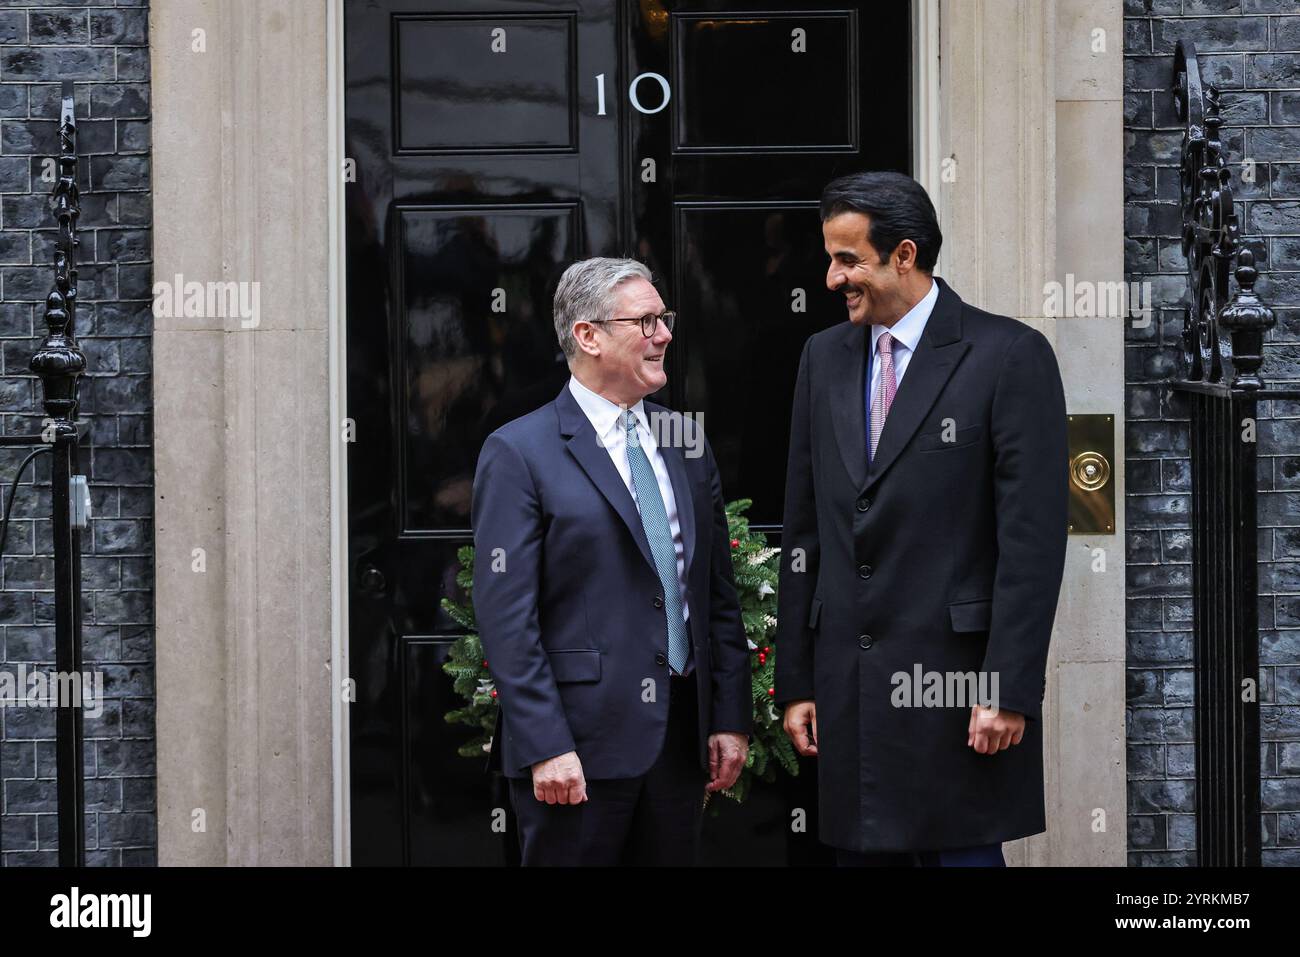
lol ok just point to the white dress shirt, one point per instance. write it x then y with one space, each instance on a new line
607 419
907 333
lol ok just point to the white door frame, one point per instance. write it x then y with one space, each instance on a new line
339 712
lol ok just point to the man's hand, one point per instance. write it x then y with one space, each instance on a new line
727 753
992 730
559 780
801 725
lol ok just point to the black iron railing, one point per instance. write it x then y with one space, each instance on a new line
1223 343
59 362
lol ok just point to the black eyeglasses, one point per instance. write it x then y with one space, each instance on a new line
649 322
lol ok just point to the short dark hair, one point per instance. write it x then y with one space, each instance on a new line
899 209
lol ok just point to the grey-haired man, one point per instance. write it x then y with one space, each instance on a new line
604 595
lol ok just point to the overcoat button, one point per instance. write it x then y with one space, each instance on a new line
864 503
661 660
864 642
864 571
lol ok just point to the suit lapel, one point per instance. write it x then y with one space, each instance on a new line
595 461
928 371
675 460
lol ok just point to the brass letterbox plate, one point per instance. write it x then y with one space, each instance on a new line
1092 480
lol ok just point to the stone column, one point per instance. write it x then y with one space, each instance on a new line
1031 134
242 433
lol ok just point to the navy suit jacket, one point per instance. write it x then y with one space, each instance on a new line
569 605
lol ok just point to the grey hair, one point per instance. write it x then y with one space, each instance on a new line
586 294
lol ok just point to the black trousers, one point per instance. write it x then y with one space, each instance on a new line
651 820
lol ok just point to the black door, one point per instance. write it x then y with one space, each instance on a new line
493 143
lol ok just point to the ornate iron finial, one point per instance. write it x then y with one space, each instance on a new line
1210 233
59 361
1246 318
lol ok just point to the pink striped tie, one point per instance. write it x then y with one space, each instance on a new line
886 389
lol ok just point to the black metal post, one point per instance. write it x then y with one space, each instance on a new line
60 362
1222 354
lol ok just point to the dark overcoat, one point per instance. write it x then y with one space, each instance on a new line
944 554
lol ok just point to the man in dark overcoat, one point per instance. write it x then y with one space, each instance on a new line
923 548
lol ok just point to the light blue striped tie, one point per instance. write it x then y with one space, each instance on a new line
654 519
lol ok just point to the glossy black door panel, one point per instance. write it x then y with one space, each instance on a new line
774 82
478 344
441 786
751 278
493 142
485 83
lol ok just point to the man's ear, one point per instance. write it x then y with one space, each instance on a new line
584 333
905 256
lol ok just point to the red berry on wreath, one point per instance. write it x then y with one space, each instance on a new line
494 692
735 543
766 651
771 692
485 664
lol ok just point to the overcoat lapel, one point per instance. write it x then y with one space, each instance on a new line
848 414
928 371
937 354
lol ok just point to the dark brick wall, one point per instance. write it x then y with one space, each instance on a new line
1251 50
103 47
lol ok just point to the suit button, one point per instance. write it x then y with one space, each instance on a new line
659 602
661 660
864 642
864 571
864 503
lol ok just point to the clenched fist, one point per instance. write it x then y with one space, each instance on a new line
559 780
992 730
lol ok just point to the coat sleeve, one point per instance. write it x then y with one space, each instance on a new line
800 553
733 707
1030 475
507 519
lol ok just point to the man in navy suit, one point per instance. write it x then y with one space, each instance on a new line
604 595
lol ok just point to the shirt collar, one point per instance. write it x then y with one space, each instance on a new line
605 416
908 329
